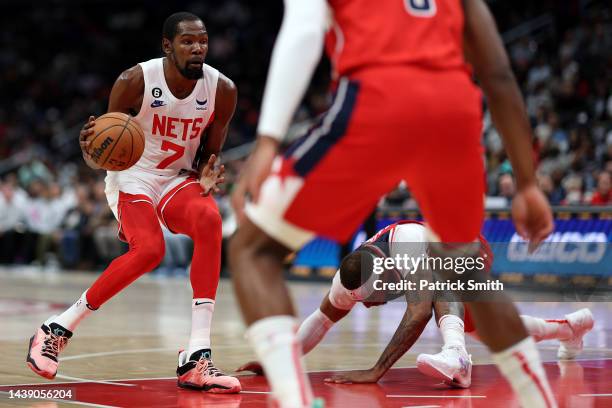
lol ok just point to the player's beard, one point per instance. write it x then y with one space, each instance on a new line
189 72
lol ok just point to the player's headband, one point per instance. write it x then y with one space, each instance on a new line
364 291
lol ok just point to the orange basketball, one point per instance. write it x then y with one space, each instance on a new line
117 142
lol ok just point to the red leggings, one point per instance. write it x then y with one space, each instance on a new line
185 212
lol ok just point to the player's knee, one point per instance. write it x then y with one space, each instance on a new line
151 252
207 220
250 243
422 314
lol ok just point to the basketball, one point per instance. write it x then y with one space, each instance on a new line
117 143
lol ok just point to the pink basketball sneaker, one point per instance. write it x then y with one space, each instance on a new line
46 344
200 373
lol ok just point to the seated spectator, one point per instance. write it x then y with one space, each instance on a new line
603 193
573 188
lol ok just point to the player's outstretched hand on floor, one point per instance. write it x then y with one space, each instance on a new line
253 366
211 176
354 377
532 215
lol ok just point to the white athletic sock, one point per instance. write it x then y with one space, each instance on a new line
541 329
521 366
313 329
201 319
278 350
451 327
71 318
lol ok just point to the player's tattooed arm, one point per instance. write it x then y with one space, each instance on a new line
410 328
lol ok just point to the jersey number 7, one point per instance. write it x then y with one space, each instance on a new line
178 153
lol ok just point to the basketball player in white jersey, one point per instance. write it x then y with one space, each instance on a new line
453 364
184 108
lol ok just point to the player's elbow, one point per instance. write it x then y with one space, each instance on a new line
492 79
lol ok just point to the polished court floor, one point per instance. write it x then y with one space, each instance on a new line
124 355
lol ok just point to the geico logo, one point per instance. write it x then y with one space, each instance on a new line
97 152
564 247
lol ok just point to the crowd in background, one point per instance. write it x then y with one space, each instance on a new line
60 60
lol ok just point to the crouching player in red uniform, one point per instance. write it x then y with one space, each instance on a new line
453 364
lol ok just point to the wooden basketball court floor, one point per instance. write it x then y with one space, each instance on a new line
124 355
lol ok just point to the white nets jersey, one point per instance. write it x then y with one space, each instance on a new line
173 130
172 127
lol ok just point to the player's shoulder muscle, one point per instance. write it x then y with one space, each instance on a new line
226 97
127 93
226 89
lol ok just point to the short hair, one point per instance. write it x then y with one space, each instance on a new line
170 27
356 268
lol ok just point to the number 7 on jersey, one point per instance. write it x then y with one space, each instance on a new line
178 153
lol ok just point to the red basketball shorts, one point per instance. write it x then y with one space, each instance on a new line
385 125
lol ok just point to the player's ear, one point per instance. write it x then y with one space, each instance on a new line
166 46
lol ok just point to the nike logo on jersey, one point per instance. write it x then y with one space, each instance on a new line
201 303
202 105
157 103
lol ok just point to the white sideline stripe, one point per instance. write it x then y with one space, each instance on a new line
436 396
147 350
421 406
66 401
73 382
116 352
595 395
78 379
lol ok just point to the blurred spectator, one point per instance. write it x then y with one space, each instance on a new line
603 195
12 201
177 255
553 190
573 188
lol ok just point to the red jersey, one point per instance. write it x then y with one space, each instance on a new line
427 33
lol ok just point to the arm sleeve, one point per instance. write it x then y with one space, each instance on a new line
340 297
296 53
313 329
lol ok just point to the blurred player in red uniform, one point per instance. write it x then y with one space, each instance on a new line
184 107
353 284
404 94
